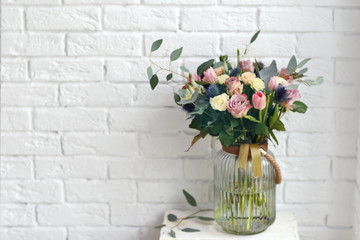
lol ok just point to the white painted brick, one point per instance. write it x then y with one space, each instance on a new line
279 150
259 2
163 95
32 2
35 44
295 19
162 120
11 18
149 233
33 234
339 3
63 70
15 168
72 214
109 233
207 19
328 44
70 119
307 215
15 119
96 144
194 44
319 192
141 18
318 67
14 70
320 233
145 169
266 45
305 168
347 20
70 167
339 216
198 169
177 2
111 44
30 144
171 192
107 191
31 191
97 94
28 95
344 169
155 145
346 121
122 2
346 71
17 215
63 18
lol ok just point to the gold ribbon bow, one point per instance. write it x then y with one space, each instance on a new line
255 155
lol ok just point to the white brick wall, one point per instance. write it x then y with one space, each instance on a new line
90 152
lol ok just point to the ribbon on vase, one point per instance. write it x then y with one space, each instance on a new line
254 150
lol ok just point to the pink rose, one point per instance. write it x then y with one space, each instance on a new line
286 75
195 77
234 86
210 76
247 66
259 100
238 105
293 95
273 83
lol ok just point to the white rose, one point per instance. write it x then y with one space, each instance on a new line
219 102
257 84
221 79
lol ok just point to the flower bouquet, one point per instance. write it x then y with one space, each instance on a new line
242 105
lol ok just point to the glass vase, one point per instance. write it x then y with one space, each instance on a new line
243 205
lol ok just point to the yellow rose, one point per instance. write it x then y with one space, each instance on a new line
221 79
246 77
219 102
281 81
257 84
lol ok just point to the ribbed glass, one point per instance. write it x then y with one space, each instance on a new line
243 205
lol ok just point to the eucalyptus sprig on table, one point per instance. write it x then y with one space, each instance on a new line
175 219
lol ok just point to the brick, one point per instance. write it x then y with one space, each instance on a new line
122 2
145 169
177 2
32 2
63 18
70 119
83 191
319 67
34 44
30 144
14 70
31 191
164 120
194 44
11 18
328 44
327 3
347 20
338 216
206 19
111 44
162 96
15 119
260 2
295 19
137 18
346 121
307 215
171 192
16 168
73 214
38 233
97 95
29 95
344 169
17 215
319 192
198 169
314 168
149 233
311 233
342 73
96 144
67 70
70 167
108 233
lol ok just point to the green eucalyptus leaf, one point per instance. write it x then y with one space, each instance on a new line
204 66
278 125
154 81
254 37
160 226
201 83
177 98
302 71
206 218
155 46
171 217
218 64
268 72
184 69
190 230
191 100
303 62
189 198
274 117
251 118
176 54
149 72
172 234
299 107
310 82
169 76
292 86
292 65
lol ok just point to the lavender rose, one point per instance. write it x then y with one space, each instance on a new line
238 105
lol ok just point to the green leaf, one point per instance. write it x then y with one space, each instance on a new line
201 83
302 71
274 117
169 76
251 118
172 234
177 98
149 72
192 99
261 129
184 69
299 107
234 122
273 136
176 54
154 81
186 218
190 230
302 63
292 65
254 37
204 66
310 82
206 218
155 46
171 217
160 226
278 125
268 72
292 86
225 139
189 198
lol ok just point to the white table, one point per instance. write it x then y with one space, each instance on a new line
284 228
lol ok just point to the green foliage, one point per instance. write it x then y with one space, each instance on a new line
169 76
261 129
251 118
208 219
184 69
149 72
292 65
171 217
303 62
155 46
317 81
176 54
292 86
254 37
268 72
302 71
226 139
172 234
189 198
204 66
278 125
299 107
190 230
177 98
154 81
160 226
